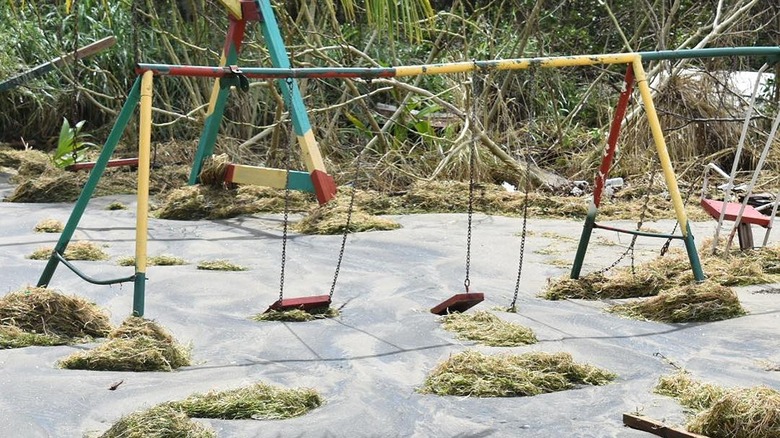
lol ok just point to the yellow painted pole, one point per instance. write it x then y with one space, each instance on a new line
516 64
142 212
660 145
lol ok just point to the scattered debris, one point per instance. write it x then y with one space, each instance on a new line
487 328
474 374
116 205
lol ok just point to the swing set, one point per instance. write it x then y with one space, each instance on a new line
316 178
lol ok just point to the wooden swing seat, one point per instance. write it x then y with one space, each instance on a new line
306 304
749 216
458 303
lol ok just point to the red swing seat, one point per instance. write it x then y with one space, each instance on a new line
306 304
458 303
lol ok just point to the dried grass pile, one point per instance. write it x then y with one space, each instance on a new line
29 162
136 345
75 251
220 265
297 315
475 374
259 402
49 226
47 312
14 337
213 170
698 302
487 328
738 268
160 260
331 218
725 413
205 202
158 422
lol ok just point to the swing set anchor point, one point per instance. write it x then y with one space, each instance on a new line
458 303
307 304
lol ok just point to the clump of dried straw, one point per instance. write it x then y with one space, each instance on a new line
206 202
137 345
472 373
706 301
44 311
160 260
259 401
49 226
725 413
331 218
75 251
220 265
158 422
14 337
297 315
487 328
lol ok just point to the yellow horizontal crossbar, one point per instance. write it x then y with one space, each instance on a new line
516 64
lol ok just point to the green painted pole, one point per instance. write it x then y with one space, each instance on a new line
693 255
219 96
92 181
139 294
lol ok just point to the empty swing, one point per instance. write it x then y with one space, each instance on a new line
466 300
309 303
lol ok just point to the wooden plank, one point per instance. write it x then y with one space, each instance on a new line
306 304
458 303
749 216
268 177
656 427
111 163
46 67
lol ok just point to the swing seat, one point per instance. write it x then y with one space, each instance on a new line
458 303
301 303
749 216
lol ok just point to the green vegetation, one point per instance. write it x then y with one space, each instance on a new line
160 260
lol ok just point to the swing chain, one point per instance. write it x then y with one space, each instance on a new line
640 222
287 166
472 166
348 223
527 186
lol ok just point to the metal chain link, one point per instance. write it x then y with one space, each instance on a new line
348 221
287 165
527 188
472 166
640 222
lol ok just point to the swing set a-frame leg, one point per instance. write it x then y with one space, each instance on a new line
94 177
